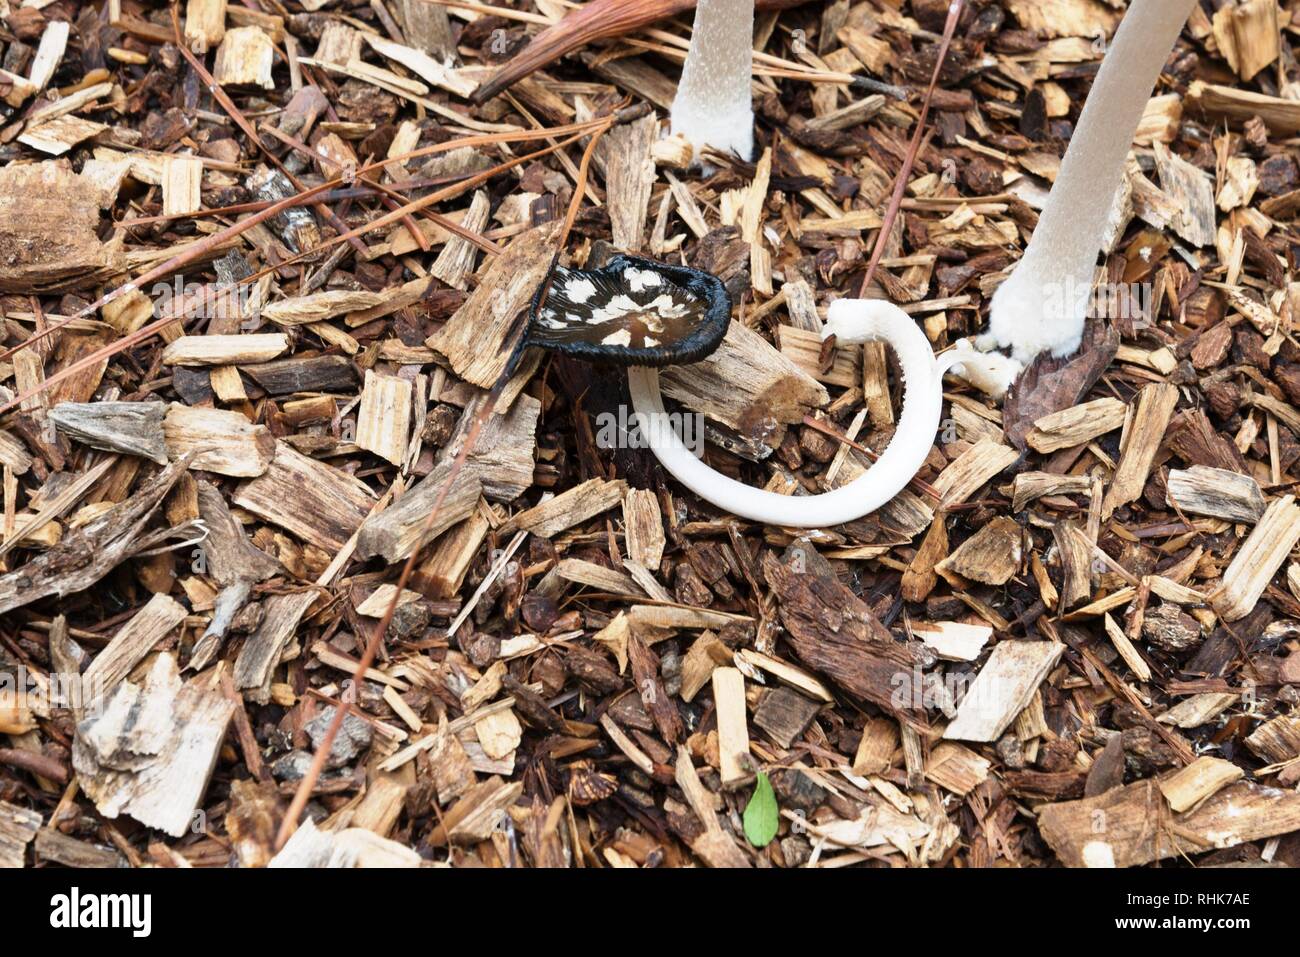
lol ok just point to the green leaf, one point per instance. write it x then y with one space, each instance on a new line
761 813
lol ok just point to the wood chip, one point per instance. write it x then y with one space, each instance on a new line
1002 689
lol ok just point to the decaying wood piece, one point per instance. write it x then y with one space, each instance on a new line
1139 667
205 24
52 845
1074 552
787 673
1248 35
222 442
747 385
401 528
784 715
443 572
228 554
135 428
1219 493
952 640
1143 434
245 58
503 456
643 528
428 28
1133 831
317 502
1002 689
1198 710
1028 486
956 768
474 339
350 847
15 714
233 562
803 347
966 473
320 306
630 173
423 65
384 420
499 466
60 248
87 554
456 261
224 350
715 846
129 646
150 751
876 749
733 729
1227 102
834 632
182 182
18 826
261 651
1189 786
577 571
992 555
569 508
1258 558
1277 740
1076 425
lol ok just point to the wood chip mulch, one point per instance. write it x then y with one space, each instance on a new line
1075 640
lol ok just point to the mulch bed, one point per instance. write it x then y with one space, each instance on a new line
1074 640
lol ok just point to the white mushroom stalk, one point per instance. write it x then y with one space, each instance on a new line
850 321
1043 305
714 105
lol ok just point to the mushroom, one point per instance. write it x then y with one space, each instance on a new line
714 105
643 314
1041 307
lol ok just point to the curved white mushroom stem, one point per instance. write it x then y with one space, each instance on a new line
714 106
1042 306
850 320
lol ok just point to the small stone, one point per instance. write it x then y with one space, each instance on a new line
354 736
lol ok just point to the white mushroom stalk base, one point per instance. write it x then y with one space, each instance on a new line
850 320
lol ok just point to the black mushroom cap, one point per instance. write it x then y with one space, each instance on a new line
631 312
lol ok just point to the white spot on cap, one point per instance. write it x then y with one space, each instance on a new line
579 290
639 279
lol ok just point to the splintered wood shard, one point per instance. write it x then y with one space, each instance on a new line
474 339
1258 558
310 498
135 428
150 751
1002 689
89 554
